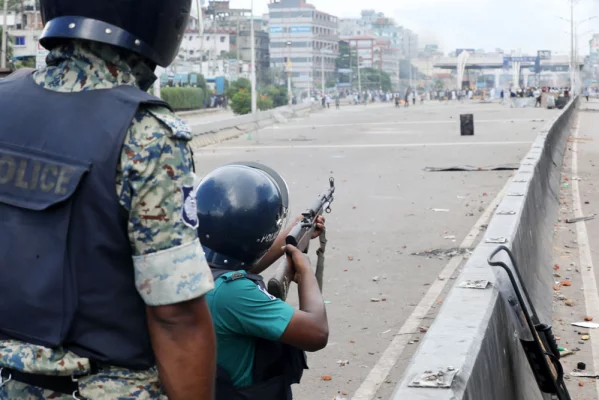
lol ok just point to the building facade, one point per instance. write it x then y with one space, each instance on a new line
303 40
25 30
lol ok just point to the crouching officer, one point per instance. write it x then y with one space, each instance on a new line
260 339
102 276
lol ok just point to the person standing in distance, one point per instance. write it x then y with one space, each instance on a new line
102 278
261 340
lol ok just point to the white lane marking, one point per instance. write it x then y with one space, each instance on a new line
587 270
363 146
445 121
391 132
378 374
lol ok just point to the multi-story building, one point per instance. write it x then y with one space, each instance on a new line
409 43
304 40
377 53
26 30
226 36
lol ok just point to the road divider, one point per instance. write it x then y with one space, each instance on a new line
219 131
473 334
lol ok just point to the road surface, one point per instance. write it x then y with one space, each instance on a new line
387 208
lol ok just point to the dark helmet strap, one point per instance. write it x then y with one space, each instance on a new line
221 261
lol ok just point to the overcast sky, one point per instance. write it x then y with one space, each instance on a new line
529 25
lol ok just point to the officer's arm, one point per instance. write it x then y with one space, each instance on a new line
185 347
309 328
275 252
171 273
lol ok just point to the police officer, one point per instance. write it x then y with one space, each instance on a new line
260 339
102 276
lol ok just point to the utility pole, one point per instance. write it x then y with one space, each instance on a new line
253 61
4 33
572 46
35 21
201 34
322 69
359 79
237 45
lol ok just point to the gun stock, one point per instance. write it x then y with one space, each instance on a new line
278 285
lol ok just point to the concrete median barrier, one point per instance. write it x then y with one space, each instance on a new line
473 333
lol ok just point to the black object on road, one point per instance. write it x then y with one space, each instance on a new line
300 237
542 351
581 366
467 125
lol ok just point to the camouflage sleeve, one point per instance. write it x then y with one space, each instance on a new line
157 187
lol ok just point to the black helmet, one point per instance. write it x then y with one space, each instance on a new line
241 210
152 28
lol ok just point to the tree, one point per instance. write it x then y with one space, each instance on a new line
375 79
241 102
331 83
278 94
239 84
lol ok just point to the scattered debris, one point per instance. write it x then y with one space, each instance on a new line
449 237
581 219
387 331
581 366
352 341
440 210
588 325
350 258
478 284
556 267
580 383
423 329
375 300
569 303
449 253
342 363
326 377
328 302
588 319
470 168
566 352
584 375
566 283
585 337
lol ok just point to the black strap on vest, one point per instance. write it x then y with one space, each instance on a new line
68 385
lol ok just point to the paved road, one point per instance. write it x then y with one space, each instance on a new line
384 212
575 252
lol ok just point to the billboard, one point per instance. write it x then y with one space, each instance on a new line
300 29
275 29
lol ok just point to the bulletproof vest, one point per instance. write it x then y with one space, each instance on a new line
277 366
66 270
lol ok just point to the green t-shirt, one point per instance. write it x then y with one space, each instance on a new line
241 312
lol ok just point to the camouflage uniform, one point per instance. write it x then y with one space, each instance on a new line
169 263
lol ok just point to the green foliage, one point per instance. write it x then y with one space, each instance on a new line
236 86
241 102
28 62
278 94
183 98
265 103
344 56
331 83
375 79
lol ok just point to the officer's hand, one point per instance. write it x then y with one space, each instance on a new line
319 227
297 261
